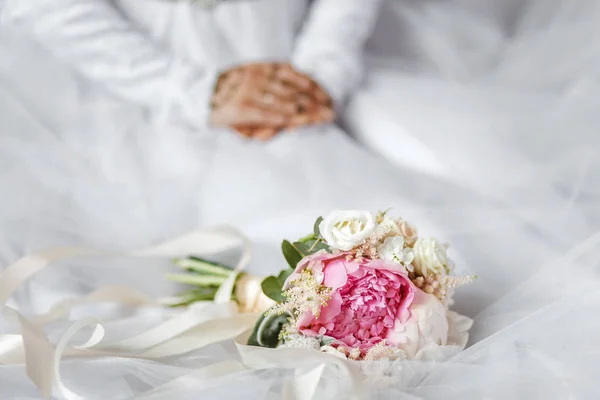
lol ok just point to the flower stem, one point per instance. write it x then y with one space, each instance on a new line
314 245
202 267
197 280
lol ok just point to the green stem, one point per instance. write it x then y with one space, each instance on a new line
202 267
197 280
314 245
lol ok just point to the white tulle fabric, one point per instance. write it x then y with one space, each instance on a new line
488 112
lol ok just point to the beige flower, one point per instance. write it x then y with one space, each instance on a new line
249 295
392 225
408 231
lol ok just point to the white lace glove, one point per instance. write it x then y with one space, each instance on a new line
102 45
330 45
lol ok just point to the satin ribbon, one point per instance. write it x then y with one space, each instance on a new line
201 324
42 358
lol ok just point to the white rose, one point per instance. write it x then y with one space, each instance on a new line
430 255
345 230
393 249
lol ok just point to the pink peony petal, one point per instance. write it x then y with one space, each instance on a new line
335 274
359 273
385 265
370 301
332 309
309 332
305 319
352 267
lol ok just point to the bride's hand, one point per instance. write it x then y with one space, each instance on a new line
313 104
247 97
280 89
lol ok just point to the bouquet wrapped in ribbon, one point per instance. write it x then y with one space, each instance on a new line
361 287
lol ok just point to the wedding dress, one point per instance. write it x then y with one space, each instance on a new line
483 162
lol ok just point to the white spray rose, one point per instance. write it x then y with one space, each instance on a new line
345 230
393 249
430 255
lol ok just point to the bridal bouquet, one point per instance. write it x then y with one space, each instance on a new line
361 287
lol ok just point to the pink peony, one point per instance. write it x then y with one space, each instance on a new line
369 300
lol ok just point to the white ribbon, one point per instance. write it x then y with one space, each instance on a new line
303 387
42 358
201 324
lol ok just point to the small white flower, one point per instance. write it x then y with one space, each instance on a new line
298 341
345 230
430 255
392 249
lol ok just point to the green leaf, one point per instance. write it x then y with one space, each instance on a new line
327 340
310 247
291 254
271 287
316 230
266 330
284 274
252 341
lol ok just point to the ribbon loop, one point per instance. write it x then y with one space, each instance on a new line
42 358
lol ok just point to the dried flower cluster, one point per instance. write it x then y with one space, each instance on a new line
368 249
305 294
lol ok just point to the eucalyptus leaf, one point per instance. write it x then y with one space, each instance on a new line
316 230
311 247
271 287
291 254
327 340
266 330
303 247
252 339
284 274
